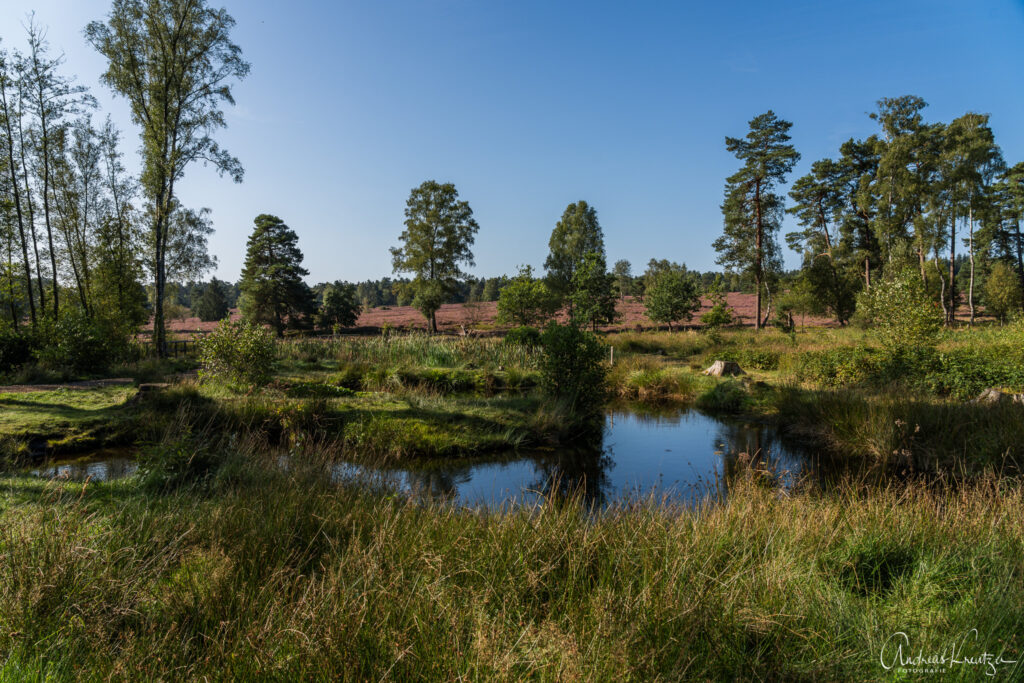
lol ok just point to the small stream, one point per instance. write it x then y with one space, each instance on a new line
680 456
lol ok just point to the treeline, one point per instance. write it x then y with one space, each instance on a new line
932 197
74 225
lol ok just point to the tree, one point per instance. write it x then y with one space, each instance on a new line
340 307
592 301
53 98
623 272
6 114
576 235
820 203
752 211
720 313
173 61
525 300
439 231
906 320
272 289
672 296
213 303
1002 292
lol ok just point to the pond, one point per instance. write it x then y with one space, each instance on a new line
681 456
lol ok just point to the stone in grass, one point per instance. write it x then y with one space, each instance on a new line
724 368
993 395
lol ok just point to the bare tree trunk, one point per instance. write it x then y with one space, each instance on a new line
31 213
867 273
942 291
951 313
970 289
758 256
17 201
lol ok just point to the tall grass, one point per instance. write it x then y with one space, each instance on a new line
256 572
413 350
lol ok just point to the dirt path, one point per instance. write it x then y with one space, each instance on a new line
85 384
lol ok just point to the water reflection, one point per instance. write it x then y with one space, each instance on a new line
681 456
100 466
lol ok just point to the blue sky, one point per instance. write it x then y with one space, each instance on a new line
527 106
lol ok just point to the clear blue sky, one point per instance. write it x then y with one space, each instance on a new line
527 106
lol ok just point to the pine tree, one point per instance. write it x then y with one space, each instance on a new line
213 303
272 289
752 211
592 301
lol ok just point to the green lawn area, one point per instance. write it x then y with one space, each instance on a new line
51 411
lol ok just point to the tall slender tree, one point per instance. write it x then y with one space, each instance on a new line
272 289
54 97
173 60
6 114
752 210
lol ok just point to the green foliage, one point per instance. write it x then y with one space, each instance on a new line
437 240
77 344
577 234
592 301
903 316
724 397
340 308
177 462
16 348
752 211
525 300
272 289
622 270
1002 292
672 296
176 100
239 353
523 336
720 314
213 303
573 368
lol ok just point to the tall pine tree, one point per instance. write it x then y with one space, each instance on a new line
752 210
272 289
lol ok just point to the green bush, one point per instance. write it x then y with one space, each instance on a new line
843 366
905 318
239 353
523 336
77 344
16 348
573 368
724 397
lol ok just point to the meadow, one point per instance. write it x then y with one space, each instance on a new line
216 561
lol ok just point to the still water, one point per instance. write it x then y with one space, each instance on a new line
683 457
680 456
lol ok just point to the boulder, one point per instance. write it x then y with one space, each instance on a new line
724 368
993 396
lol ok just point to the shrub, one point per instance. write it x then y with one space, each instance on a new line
523 336
904 317
16 348
573 368
724 397
525 300
239 353
77 344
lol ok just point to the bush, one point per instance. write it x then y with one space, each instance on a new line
16 348
905 318
523 336
239 353
77 344
573 368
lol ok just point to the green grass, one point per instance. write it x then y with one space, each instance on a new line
261 573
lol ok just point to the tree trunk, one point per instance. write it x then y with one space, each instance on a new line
46 205
433 322
970 288
867 273
1020 256
31 216
758 256
17 203
951 313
